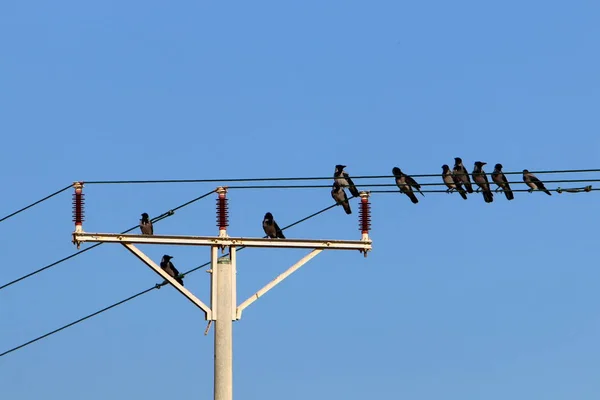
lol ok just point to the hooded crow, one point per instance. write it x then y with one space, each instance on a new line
500 179
271 228
146 225
480 178
170 269
452 182
461 173
406 183
344 180
534 183
339 195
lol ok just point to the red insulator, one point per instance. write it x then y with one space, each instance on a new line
222 212
78 206
364 215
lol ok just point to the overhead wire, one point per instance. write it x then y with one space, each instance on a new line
558 190
156 219
267 179
367 185
35 203
156 286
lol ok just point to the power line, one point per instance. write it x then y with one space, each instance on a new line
393 184
156 286
574 171
156 219
474 192
76 322
34 203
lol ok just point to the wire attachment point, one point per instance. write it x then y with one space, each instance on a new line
587 188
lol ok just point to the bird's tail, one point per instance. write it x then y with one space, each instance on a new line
354 191
280 235
462 192
488 196
347 208
509 194
469 187
179 280
413 198
547 192
419 189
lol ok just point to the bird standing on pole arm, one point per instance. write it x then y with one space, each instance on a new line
480 178
342 177
271 228
170 269
534 183
146 225
452 182
461 173
406 183
500 179
339 195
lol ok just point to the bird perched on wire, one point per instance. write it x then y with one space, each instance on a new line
339 195
170 269
146 225
480 178
271 228
343 179
500 179
534 183
452 182
406 183
461 173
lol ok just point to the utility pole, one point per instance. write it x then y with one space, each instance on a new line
223 310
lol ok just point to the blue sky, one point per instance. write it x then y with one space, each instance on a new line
458 300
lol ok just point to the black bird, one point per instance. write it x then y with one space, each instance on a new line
480 178
146 225
461 173
405 182
339 195
170 269
452 182
342 177
500 179
271 228
534 183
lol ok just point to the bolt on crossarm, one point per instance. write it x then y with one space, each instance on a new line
223 310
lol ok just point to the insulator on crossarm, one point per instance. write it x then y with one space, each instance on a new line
364 216
78 206
222 211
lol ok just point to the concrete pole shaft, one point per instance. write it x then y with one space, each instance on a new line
223 331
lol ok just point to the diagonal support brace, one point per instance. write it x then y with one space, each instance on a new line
146 260
276 281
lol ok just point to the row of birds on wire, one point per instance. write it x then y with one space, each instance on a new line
456 179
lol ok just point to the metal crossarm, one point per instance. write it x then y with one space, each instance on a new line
365 245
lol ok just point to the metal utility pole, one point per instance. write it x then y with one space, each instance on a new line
223 310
